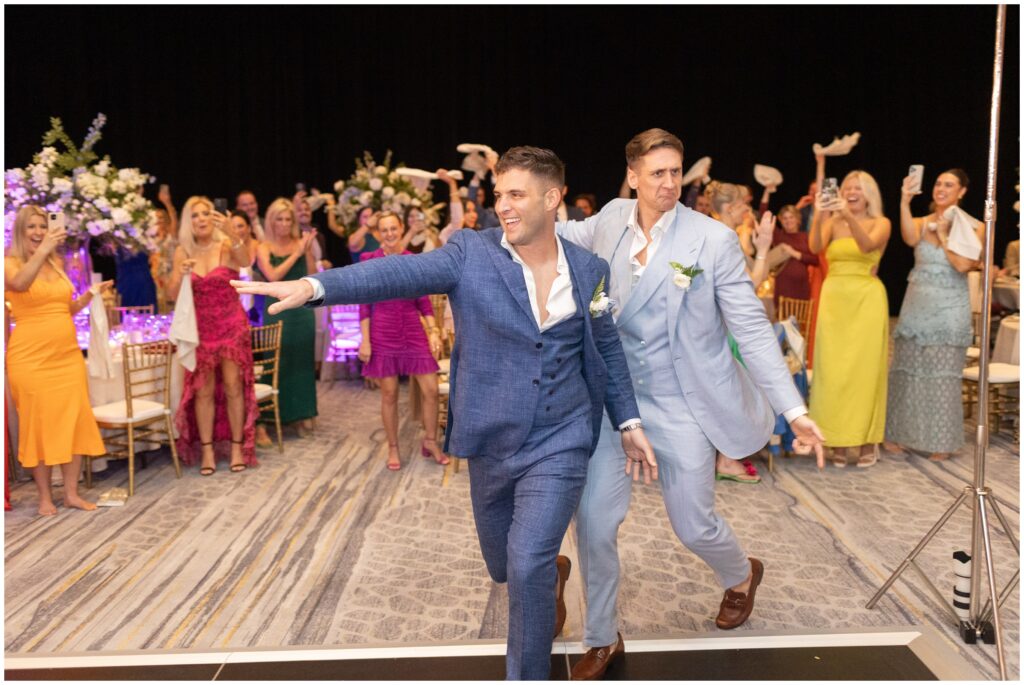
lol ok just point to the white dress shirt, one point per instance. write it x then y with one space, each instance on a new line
561 304
640 240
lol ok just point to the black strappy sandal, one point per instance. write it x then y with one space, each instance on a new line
207 470
238 468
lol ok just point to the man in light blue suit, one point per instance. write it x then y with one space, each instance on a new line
537 361
680 282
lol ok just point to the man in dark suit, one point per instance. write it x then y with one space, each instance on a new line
537 361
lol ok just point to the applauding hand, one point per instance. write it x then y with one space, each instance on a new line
289 294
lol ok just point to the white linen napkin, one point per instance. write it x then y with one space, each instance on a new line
184 333
962 238
100 362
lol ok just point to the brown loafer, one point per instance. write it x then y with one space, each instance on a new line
597 660
564 566
736 606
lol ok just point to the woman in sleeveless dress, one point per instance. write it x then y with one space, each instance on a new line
217 414
848 390
934 330
394 345
287 255
45 368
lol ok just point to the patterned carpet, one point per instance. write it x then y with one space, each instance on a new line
324 546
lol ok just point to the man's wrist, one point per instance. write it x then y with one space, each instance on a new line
316 287
793 414
630 425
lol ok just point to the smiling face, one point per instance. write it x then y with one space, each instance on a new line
416 220
852 192
35 230
656 179
202 220
526 204
246 202
947 191
470 215
583 204
703 205
364 215
390 229
283 222
303 213
790 221
238 226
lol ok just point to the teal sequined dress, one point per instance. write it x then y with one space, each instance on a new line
924 409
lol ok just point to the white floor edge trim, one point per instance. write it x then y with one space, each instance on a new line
896 636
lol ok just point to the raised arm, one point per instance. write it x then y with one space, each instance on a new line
910 228
165 199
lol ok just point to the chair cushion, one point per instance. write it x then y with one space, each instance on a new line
997 373
442 388
263 391
973 352
117 412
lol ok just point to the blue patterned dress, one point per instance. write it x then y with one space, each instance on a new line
924 411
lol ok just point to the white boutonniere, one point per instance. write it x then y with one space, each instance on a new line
684 275
600 303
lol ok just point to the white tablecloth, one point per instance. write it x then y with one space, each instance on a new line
1007 349
1006 291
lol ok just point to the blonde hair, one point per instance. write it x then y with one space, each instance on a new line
276 207
869 187
186 235
720 194
19 250
648 140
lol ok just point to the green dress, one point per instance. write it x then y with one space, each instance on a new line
297 375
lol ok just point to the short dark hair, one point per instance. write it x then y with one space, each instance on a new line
587 197
961 177
537 160
648 140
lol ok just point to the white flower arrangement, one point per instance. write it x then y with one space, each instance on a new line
378 186
98 199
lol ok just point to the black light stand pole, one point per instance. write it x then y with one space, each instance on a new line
978 626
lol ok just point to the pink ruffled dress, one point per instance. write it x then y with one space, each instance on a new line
398 344
223 334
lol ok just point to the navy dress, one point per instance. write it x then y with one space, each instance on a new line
134 280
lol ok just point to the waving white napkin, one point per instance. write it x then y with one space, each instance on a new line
421 179
767 175
962 238
100 362
184 333
700 170
838 146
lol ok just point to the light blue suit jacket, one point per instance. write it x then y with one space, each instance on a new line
734 406
497 358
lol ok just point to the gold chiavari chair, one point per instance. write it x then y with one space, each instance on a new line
116 315
801 309
266 355
144 415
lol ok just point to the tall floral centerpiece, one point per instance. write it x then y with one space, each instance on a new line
99 201
380 187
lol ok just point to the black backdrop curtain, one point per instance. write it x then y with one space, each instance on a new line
215 99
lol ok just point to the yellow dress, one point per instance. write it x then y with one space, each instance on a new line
47 377
848 391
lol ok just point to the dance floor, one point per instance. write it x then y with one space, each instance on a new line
323 548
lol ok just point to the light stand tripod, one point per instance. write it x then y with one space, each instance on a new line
978 623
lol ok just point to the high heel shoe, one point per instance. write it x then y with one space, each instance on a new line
238 468
870 459
429 453
839 460
393 466
207 470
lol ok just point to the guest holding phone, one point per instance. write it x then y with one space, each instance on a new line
45 368
217 414
849 389
924 410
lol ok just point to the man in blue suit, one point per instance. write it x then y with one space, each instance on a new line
537 361
680 282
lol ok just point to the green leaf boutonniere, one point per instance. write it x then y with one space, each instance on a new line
684 275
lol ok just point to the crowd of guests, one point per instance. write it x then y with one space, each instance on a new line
824 247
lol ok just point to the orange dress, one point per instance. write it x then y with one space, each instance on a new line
47 377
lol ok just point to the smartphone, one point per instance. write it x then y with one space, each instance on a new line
300 187
164 188
55 220
220 204
917 172
830 189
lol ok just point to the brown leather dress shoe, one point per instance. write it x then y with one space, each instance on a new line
736 606
597 660
564 566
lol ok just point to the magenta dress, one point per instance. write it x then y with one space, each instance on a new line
398 344
223 334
